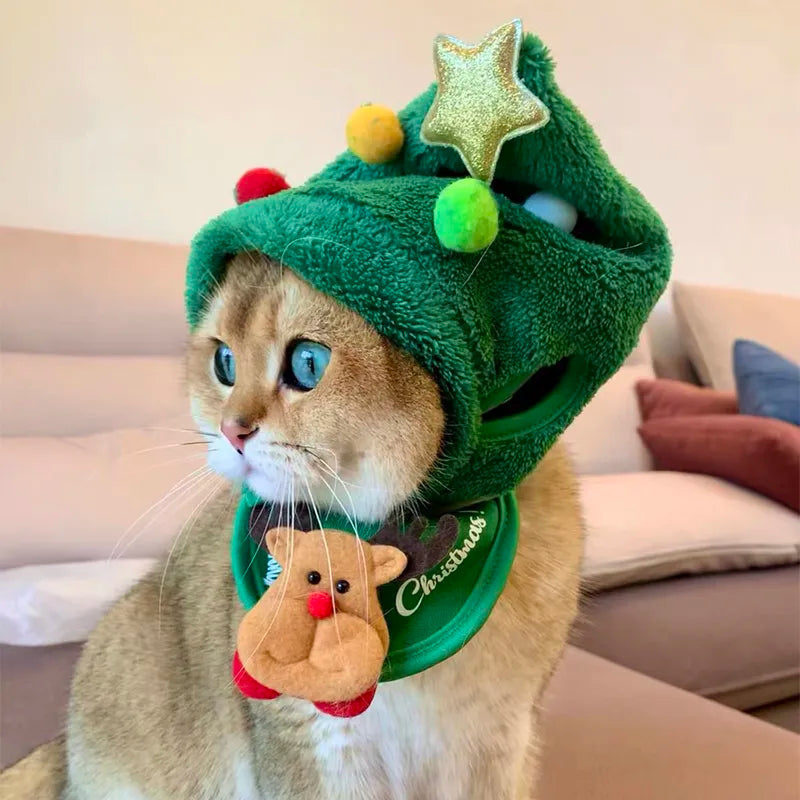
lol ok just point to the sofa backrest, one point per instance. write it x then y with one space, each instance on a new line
93 414
91 331
89 295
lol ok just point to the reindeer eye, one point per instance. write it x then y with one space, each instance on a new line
314 577
342 586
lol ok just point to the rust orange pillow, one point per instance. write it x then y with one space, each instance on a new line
758 453
662 397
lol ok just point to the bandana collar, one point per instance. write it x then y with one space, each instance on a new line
430 616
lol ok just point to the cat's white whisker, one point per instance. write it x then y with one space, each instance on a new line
186 493
179 485
187 527
335 476
159 447
360 544
224 511
284 481
284 588
183 430
361 555
327 556
182 459
335 497
322 462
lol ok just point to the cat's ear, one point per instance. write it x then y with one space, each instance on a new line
387 563
278 542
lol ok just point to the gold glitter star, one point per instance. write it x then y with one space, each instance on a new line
480 101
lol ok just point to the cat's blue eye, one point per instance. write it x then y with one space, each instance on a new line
224 365
305 364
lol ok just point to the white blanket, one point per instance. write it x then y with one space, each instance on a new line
48 604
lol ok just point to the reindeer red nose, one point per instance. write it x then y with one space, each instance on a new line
320 605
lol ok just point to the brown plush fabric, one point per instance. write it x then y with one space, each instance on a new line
667 398
755 452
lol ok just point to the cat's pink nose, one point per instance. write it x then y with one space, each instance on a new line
320 605
237 433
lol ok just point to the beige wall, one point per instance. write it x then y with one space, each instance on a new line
135 117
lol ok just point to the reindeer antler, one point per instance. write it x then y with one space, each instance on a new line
265 516
422 555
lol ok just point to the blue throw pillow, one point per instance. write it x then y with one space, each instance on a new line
768 384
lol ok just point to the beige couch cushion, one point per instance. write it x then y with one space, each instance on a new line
42 395
712 318
603 437
734 636
61 293
650 525
99 496
612 734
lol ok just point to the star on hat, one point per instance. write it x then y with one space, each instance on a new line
480 101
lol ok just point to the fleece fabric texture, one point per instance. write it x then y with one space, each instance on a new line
480 323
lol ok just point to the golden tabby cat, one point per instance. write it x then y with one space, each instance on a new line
154 714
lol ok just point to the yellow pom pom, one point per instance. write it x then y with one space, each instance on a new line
374 134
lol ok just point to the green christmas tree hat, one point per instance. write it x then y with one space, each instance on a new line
484 231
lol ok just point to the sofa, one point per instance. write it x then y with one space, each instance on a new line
689 578
692 584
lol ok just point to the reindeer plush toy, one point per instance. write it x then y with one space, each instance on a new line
319 632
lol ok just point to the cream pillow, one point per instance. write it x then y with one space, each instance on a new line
711 318
651 525
603 437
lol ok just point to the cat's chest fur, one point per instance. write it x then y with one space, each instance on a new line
423 736
413 743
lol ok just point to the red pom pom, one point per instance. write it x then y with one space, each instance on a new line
259 182
320 605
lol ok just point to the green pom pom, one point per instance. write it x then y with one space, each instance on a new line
465 216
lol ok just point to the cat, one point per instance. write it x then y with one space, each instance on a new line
154 714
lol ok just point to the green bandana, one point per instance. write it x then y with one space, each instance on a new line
430 617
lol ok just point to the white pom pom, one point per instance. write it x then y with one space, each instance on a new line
552 209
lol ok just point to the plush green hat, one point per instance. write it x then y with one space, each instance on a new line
518 335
